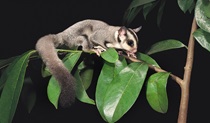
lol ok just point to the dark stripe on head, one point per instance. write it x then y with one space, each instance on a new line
118 39
134 34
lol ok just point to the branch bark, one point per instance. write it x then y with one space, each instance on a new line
185 85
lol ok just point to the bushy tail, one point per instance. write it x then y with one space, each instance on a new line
46 47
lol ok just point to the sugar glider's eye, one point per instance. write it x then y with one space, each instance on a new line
130 43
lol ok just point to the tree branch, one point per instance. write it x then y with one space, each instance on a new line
157 69
185 85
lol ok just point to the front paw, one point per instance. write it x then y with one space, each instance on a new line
129 54
98 50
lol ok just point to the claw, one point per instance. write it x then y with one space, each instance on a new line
130 54
98 50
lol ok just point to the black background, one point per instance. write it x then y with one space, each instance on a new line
22 23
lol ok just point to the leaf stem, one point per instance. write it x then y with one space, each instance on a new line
70 51
157 69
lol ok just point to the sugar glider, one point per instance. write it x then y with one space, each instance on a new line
93 36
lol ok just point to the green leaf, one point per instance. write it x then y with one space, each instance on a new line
28 94
165 45
119 65
13 86
108 72
45 71
71 59
123 91
207 8
5 75
5 62
147 59
203 38
53 91
156 92
137 3
148 8
53 88
160 12
192 7
86 72
81 91
104 80
202 20
130 15
86 77
185 5
133 9
110 55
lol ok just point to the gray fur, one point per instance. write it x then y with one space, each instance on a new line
92 35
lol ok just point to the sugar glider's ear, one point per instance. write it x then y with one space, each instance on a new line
122 34
122 31
137 29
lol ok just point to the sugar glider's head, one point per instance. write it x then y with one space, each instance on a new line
127 40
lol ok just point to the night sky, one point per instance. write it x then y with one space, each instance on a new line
23 23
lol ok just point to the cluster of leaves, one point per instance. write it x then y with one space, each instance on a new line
118 86
147 6
202 16
200 9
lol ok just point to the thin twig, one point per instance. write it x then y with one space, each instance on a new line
155 68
